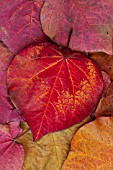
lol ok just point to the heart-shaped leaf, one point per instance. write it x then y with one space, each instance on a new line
20 23
90 20
53 91
11 153
7 111
92 147
50 151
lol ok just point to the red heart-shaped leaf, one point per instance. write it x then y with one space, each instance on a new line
53 92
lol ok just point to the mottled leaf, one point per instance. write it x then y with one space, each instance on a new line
92 147
50 152
11 153
53 91
91 23
105 62
20 23
7 110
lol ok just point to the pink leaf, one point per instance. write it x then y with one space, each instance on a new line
11 153
90 20
7 110
20 24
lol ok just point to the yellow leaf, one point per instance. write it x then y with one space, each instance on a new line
50 151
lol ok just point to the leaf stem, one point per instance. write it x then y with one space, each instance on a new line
22 134
69 38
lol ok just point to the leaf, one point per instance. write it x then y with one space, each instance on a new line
110 89
50 151
105 106
107 81
20 23
5 57
90 20
105 62
11 153
7 111
53 92
92 147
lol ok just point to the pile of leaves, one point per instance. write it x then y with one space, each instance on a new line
56 85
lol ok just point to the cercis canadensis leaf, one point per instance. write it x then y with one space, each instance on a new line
92 147
50 151
11 153
106 82
7 111
51 91
91 21
105 62
105 105
20 23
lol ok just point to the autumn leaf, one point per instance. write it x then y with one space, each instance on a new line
53 91
91 23
50 151
20 23
7 111
105 62
92 147
11 153
105 106
107 82
110 90
5 59
52 88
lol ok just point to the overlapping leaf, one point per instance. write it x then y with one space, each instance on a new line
105 62
11 153
106 81
49 152
7 111
53 91
20 23
105 106
92 147
90 20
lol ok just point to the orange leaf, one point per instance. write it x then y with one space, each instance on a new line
92 147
